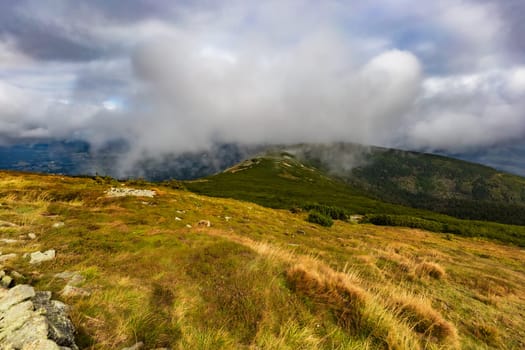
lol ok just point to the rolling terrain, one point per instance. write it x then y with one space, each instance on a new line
256 278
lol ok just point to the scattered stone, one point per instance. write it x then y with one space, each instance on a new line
178 219
227 218
8 240
6 257
2 273
181 211
38 257
73 278
7 224
188 226
204 223
123 192
17 275
58 224
72 291
137 346
31 235
300 232
6 281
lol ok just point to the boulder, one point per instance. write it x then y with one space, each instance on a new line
32 321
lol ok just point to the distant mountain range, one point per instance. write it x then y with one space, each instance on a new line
74 157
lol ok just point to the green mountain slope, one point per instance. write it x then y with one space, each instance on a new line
279 180
441 184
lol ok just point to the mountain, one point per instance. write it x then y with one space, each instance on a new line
352 178
446 185
144 262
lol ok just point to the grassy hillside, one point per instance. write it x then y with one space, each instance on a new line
258 278
437 183
281 181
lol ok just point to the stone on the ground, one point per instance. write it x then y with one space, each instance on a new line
137 346
8 240
58 224
204 223
32 321
31 235
72 291
16 295
73 278
123 192
38 257
6 281
6 257
7 224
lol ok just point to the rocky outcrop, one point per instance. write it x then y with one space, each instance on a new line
123 192
32 320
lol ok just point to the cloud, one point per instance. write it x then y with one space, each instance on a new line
176 77
459 113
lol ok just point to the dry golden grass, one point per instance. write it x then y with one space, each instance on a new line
262 279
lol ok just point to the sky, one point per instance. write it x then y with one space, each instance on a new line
175 76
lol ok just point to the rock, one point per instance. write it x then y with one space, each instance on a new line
58 224
6 257
17 275
72 291
8 240
123 192
204 223
227 218
178 219
7 224
42 344
32 321
38 257
15 296
137 346
61 329
188 226
6 281
31 235
73 278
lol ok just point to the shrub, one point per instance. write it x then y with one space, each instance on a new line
319 218
335 213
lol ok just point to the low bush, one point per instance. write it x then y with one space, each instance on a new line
319 218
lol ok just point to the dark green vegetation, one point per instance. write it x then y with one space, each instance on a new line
281 181
445 185
319 218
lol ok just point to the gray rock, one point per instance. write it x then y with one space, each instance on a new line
16 274
58 224
9 240
7 257
38 257
31 235
74 278
61 330
42 344
7 224
137 346
72 291
15 296
204 223
6 281
123 192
